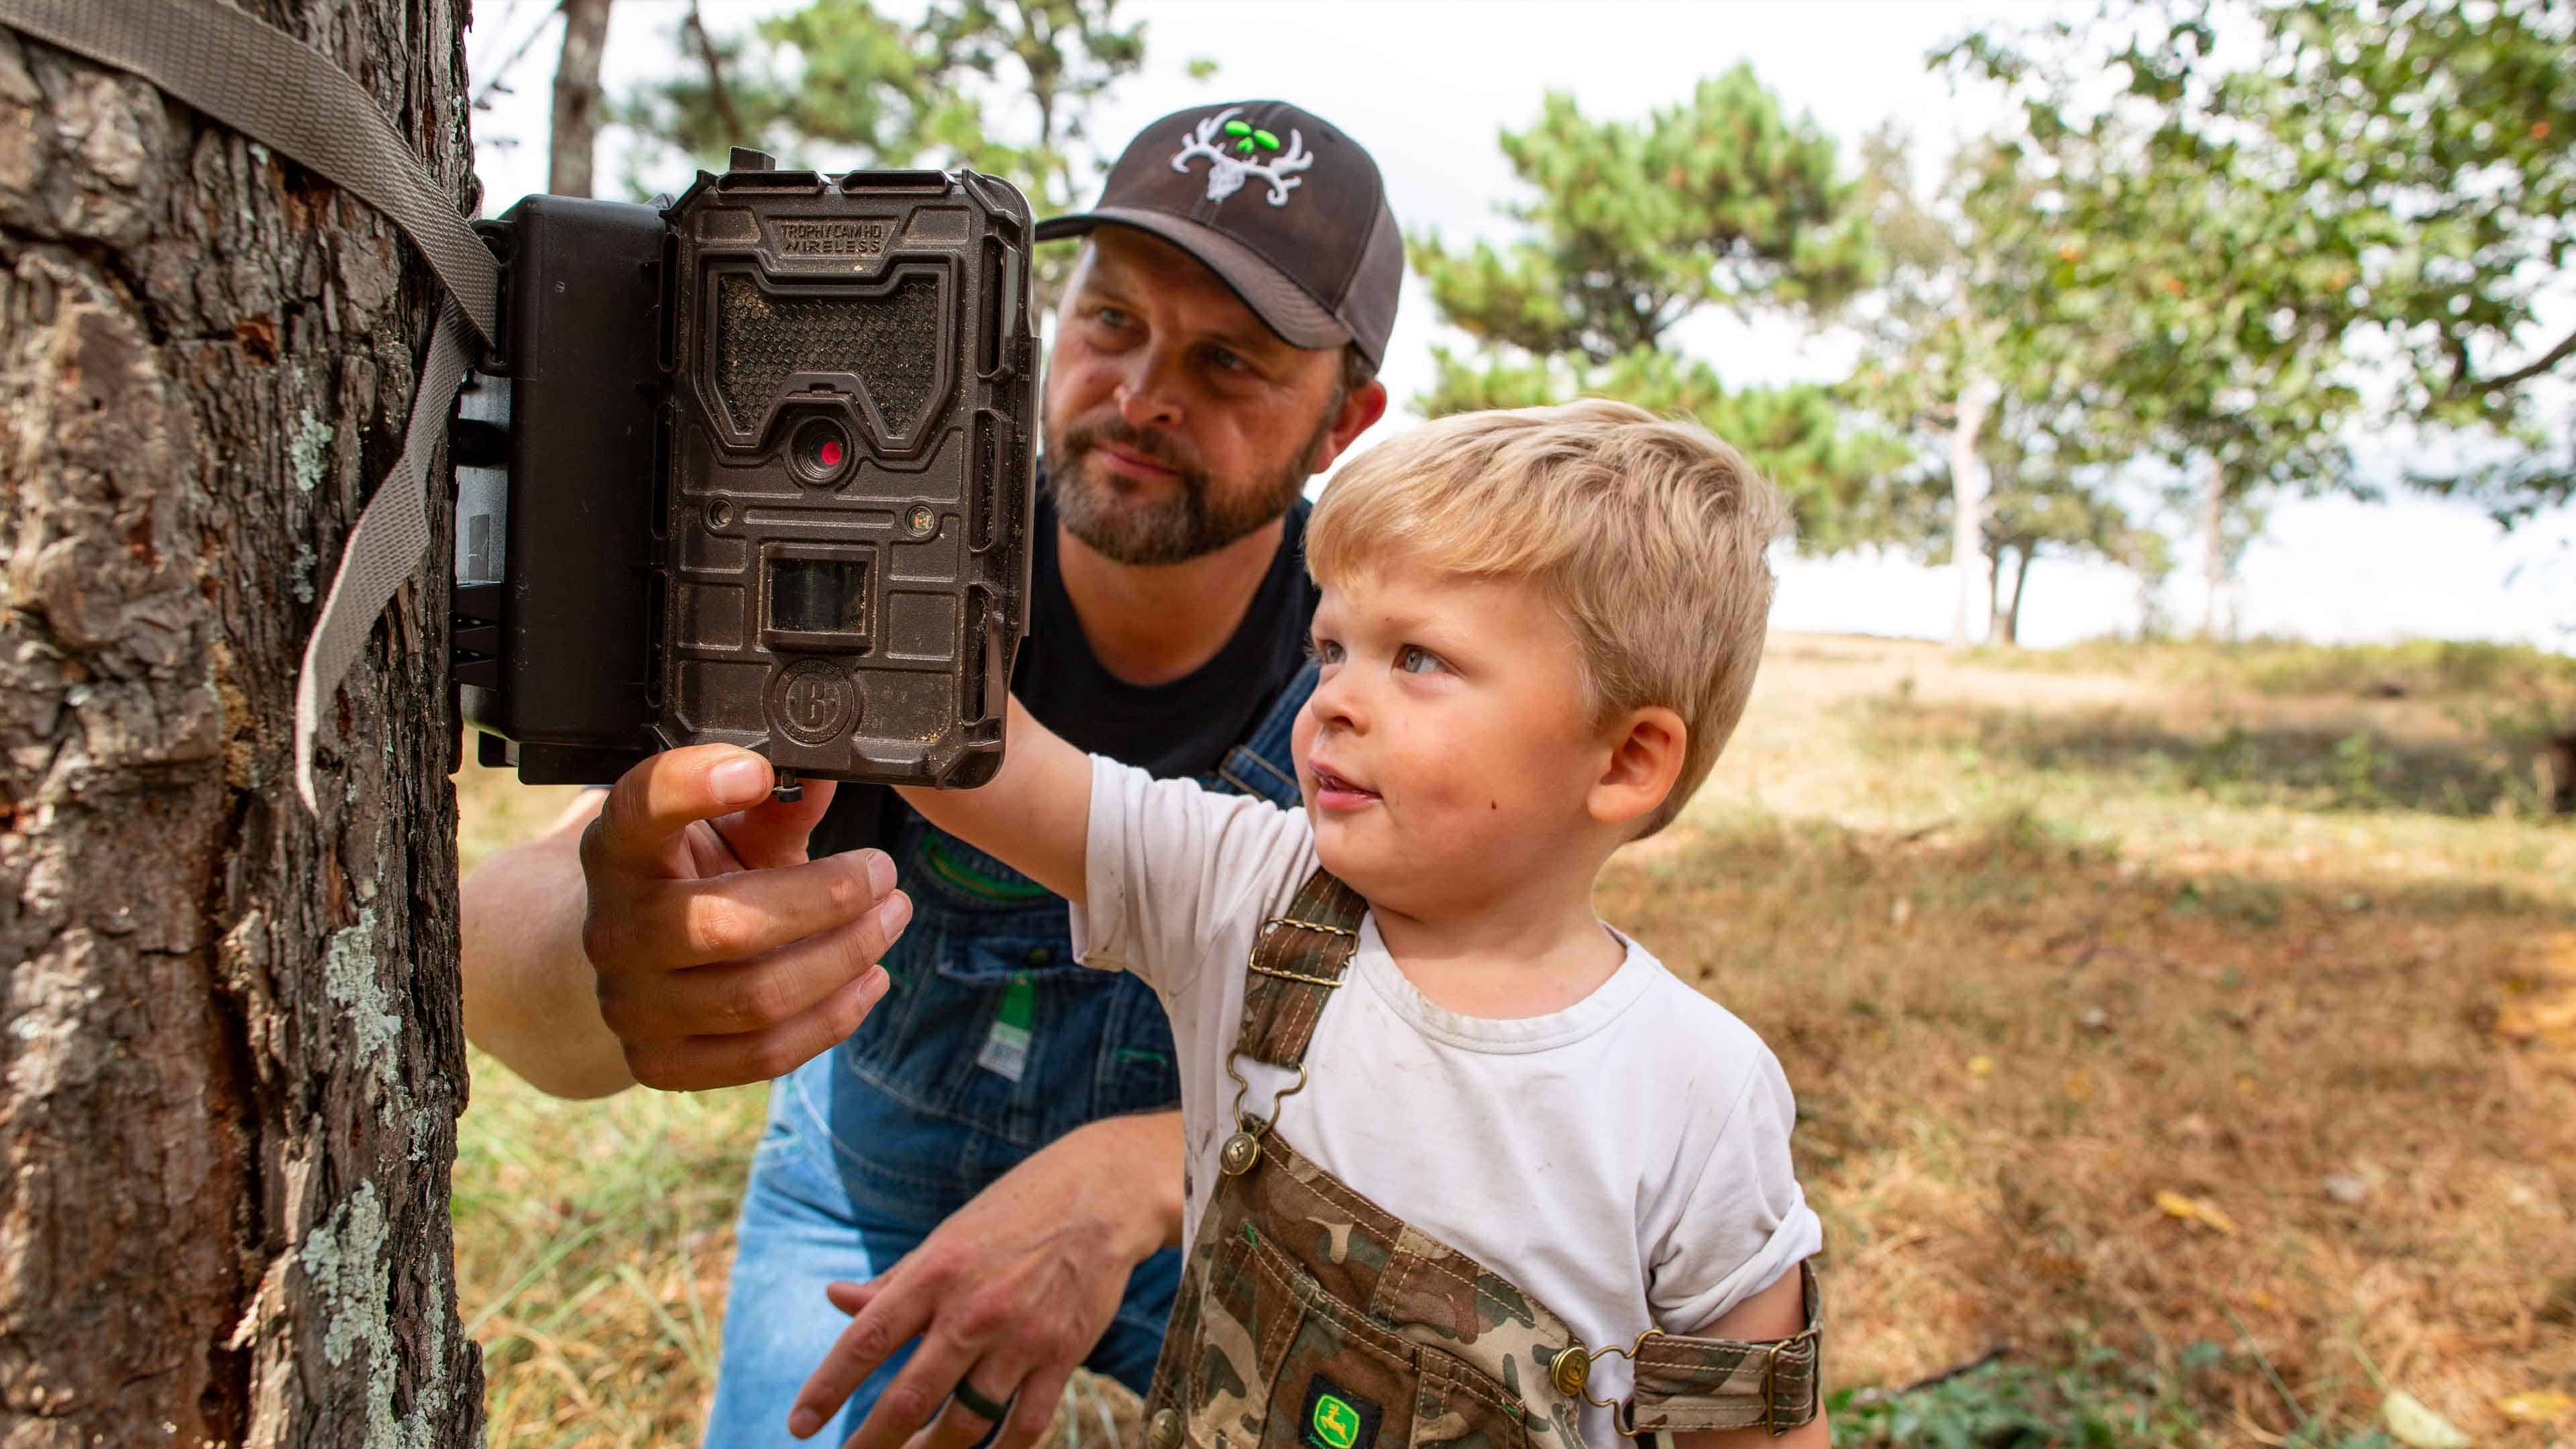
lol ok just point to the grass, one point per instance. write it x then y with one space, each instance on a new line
2407 668
2144 1026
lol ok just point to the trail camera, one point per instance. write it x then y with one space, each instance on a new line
752 468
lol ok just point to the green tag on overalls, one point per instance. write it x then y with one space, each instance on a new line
1006 1047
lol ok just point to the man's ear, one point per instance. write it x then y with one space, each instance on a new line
1645 762
1359 412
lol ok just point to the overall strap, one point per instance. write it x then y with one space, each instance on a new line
1687 1383
1297 960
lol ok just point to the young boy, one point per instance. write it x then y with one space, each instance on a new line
1450 1137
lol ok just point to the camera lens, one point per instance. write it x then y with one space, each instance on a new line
821 451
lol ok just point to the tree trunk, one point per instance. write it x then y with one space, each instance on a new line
2021 588
576 118
1994 592
1967 504
234 1054
2213 536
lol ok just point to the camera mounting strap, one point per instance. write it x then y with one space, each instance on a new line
283 93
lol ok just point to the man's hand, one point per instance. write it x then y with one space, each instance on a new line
1009 1295
724 956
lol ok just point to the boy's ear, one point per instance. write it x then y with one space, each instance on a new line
1645 761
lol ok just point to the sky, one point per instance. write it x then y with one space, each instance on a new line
1428 86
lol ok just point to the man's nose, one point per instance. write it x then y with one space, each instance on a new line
1149 395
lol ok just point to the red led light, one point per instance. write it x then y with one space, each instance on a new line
831 453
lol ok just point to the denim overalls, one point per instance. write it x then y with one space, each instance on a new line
990 1043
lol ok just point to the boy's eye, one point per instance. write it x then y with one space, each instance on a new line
1414 659
1327 650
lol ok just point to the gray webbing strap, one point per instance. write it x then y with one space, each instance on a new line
383 549
283 93
277 90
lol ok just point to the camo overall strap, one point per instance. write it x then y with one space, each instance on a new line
1683 1382
1297 961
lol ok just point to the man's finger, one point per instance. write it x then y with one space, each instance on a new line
917 1393
850 1298
649 807
1034 1409
702 1063
728 998
886 1322
774 832
745 914
960 1425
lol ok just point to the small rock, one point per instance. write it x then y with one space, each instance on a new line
2094 1019
2346 1187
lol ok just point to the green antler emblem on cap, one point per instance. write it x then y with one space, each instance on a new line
1230 146
1336 1423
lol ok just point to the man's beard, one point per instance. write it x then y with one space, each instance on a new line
1197 520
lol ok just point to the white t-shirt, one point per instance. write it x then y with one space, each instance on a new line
1625 1160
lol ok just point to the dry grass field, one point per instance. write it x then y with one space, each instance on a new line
2198 1030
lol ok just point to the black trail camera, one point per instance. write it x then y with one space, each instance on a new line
752 468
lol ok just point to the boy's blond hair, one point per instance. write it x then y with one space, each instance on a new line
1649 533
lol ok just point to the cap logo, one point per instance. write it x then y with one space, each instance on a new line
1235 150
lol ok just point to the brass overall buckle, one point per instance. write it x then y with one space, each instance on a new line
1243 1150
1571 1371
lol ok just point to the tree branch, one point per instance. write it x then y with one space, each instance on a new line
494 84
2547 360
721 98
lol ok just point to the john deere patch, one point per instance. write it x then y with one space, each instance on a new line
1336 1418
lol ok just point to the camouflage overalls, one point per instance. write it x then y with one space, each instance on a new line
1308 1316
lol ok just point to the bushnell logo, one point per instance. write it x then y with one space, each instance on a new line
1236 149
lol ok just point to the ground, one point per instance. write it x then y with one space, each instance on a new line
2198 1030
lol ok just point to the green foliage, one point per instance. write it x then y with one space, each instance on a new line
2376 178
1962 335
1720 202
2099 1400
1006 89
1797 434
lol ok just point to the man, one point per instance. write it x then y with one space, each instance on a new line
980 1133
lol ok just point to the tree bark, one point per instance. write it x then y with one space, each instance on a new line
576 114
1967 505
234 1056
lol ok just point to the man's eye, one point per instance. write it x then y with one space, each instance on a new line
1414 659
1227 361
1112 317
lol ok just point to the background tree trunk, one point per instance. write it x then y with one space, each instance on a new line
576 111
234 1054
2213 538
1967 505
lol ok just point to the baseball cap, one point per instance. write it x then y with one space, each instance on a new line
1275 200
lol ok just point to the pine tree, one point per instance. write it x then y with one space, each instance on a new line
235 1053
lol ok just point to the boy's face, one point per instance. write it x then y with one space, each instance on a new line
1448 750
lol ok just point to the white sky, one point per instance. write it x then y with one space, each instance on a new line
1427 86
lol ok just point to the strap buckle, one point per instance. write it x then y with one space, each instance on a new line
1770 1381
1261 938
